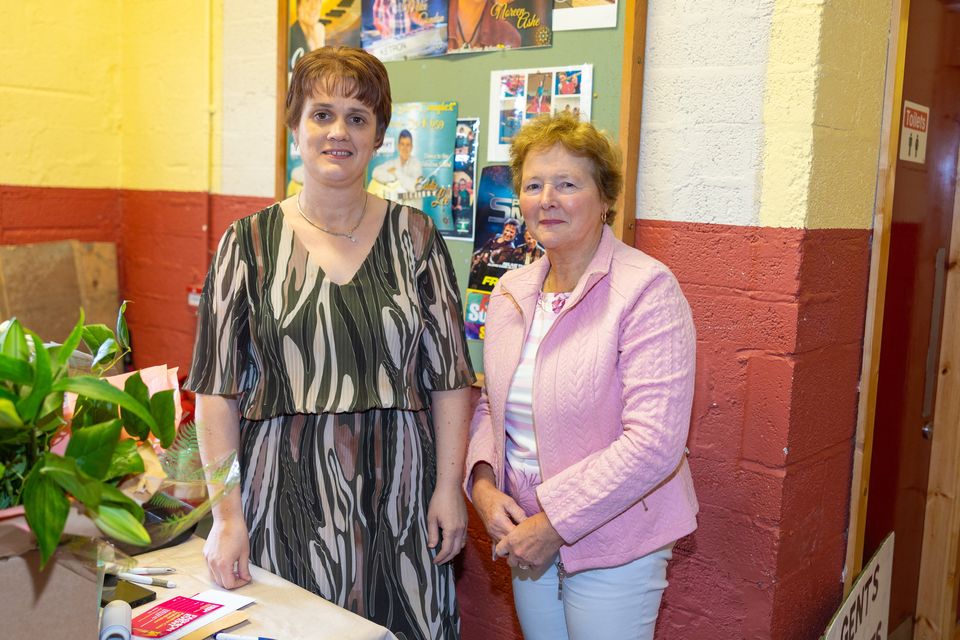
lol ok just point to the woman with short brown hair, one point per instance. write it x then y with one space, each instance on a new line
330 355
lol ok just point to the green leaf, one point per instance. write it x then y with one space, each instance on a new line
120 524
15 370
65 350
102 390
95 335
112 495
93 447
42 381
135 387
46 508
126 460
3 469
164 412
13 342
107 351
64 472
89 412
8 414
123 333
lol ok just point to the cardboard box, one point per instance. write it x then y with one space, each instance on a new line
46 284
60 602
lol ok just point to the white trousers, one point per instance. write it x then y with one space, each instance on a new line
619 603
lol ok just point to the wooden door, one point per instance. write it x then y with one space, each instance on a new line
913 307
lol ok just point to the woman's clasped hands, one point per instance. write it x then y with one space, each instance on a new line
524 541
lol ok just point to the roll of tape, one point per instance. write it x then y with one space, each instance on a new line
116 621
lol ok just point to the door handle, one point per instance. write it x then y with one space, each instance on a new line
933 346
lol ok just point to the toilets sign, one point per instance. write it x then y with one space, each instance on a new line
913 134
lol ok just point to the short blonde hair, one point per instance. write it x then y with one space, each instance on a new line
579 138
343 71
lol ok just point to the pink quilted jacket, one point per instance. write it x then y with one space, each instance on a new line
612 395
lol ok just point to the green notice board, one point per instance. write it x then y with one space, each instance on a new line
466 79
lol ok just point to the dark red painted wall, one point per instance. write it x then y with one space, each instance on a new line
779 316
164 241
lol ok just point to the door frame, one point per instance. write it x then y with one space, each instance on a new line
936 608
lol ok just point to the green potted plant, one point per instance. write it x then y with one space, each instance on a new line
106 430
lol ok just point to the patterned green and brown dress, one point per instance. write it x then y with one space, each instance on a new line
333 384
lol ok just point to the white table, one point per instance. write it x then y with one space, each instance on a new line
282 609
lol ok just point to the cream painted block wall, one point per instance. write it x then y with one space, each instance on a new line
823 113
60 84
762 112
249 98
168 63
702 127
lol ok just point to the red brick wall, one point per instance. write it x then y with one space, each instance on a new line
779 316
164 241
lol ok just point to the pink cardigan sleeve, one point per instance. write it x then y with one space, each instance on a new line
657 346
480 447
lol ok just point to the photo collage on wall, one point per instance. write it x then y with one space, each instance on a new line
519 95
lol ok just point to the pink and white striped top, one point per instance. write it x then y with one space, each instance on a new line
522 471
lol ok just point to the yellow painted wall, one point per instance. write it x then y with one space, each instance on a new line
60 84
111 94
166 102
822 113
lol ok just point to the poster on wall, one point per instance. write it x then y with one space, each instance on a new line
313 24
465 177
404 29
576 15
501 242
415 164
522 94
482 25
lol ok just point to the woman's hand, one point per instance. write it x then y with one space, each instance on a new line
532 543
447 513
500 513
227 551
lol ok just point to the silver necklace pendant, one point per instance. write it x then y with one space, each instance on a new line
340 234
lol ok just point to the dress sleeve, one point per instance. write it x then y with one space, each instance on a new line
444 357
222 323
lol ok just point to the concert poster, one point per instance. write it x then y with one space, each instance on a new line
313 24
501 243
465 177
485 25
415 164
404 29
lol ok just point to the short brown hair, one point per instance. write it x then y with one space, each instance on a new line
579 138
342 71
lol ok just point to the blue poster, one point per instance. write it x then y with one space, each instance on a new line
501 241
415 164
403 29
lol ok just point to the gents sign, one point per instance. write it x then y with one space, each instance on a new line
863 616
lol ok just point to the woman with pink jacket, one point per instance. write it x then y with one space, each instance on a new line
576 461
